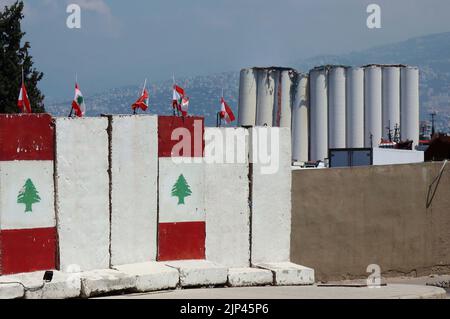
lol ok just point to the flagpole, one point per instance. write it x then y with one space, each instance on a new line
76 81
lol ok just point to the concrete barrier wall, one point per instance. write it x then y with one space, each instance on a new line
345 219
227 196
181 189
27 215
271 215
82 192
134 167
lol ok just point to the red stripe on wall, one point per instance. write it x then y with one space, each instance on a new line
179 241
26 137
27 250
167 124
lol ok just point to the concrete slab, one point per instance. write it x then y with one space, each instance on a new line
151 276
98 282
287 273
244 277
10 290
62 286
197 273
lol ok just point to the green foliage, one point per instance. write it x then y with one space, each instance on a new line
181 189
28 195
14 55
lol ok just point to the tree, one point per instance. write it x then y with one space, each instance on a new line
181 189
13 56
28 195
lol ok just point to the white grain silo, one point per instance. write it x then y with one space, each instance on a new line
336 107
286 100
319 114
300 119
391 99
265 97
247 98
276 112
372 105
355 107
409 117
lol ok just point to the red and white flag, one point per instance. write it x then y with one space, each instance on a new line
78 102
142 102
184 106
178 94
24 103
226 112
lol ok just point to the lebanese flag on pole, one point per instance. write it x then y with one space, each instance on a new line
226 112
24 103
78 102
184 106
142 102
178 94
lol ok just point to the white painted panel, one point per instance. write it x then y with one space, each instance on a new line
271 215
181 191
24 182
227 195
82 190
134 167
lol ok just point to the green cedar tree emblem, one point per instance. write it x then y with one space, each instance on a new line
181 189
80 100
28 195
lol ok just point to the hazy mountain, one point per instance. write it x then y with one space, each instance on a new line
430 53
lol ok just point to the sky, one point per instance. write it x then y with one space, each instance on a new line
122 42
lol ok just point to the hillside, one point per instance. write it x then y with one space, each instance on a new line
431 53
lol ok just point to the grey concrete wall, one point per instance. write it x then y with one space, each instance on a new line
345 219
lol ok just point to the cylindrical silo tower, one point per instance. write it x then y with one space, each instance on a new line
372 105
355 107
286 98
276 112
247 98
409 117
265 97
336 107
391 100
300 119
319 114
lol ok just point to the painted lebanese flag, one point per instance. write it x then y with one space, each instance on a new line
181 200
178 94
226 112
24 103
78 102
28 240
142 102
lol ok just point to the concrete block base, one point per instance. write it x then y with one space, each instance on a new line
10 291
151 276
99 282
197 273
287 273
62 286
244 277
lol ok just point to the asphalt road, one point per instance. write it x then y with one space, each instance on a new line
390 291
